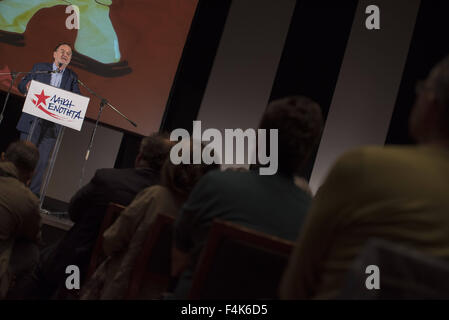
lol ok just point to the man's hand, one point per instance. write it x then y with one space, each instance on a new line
28 85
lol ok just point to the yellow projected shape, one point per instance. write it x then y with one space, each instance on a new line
96 36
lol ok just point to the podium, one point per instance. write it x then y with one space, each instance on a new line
53 108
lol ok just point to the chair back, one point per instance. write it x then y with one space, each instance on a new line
112 212
403 273
240 263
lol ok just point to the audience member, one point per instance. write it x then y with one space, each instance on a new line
19 215
123 241
87 209
268 203
396 193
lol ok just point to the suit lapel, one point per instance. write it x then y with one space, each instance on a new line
46 78
65 78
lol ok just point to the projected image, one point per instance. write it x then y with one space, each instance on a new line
127 51
96 40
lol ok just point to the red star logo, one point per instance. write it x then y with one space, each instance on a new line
41 98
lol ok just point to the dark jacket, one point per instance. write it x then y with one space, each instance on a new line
87 209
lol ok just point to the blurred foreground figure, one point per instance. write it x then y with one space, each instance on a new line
19 215
396 193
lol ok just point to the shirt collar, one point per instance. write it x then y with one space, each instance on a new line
56 67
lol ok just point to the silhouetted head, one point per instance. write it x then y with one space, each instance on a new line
153 151
181 178
299 122
24 155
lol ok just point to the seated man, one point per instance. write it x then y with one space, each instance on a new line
87 209
395 193
268 203
19 214
124 239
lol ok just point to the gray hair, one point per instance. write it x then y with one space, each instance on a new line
154 149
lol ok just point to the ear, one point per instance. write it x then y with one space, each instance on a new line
138 160
3 156
440 114
433 107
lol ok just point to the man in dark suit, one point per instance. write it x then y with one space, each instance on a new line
45 133
87 209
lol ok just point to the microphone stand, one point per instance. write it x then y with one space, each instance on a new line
103 102
13 78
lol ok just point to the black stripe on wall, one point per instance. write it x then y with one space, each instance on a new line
428 46
313 53
195 66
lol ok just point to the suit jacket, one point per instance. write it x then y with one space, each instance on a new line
69 82
87 209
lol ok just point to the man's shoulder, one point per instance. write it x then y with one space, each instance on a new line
43 66
379 154
107 175
157 191
220 177
229 174
219 181
71 72
8 169
363 161
49 66
30 196
113 173
19 196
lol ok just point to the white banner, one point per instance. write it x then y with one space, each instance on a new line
56 105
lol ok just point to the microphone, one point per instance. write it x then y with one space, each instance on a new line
58 70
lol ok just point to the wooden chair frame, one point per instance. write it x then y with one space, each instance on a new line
221 230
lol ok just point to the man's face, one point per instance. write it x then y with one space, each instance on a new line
63 55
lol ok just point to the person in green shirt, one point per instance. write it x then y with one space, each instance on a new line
272 204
